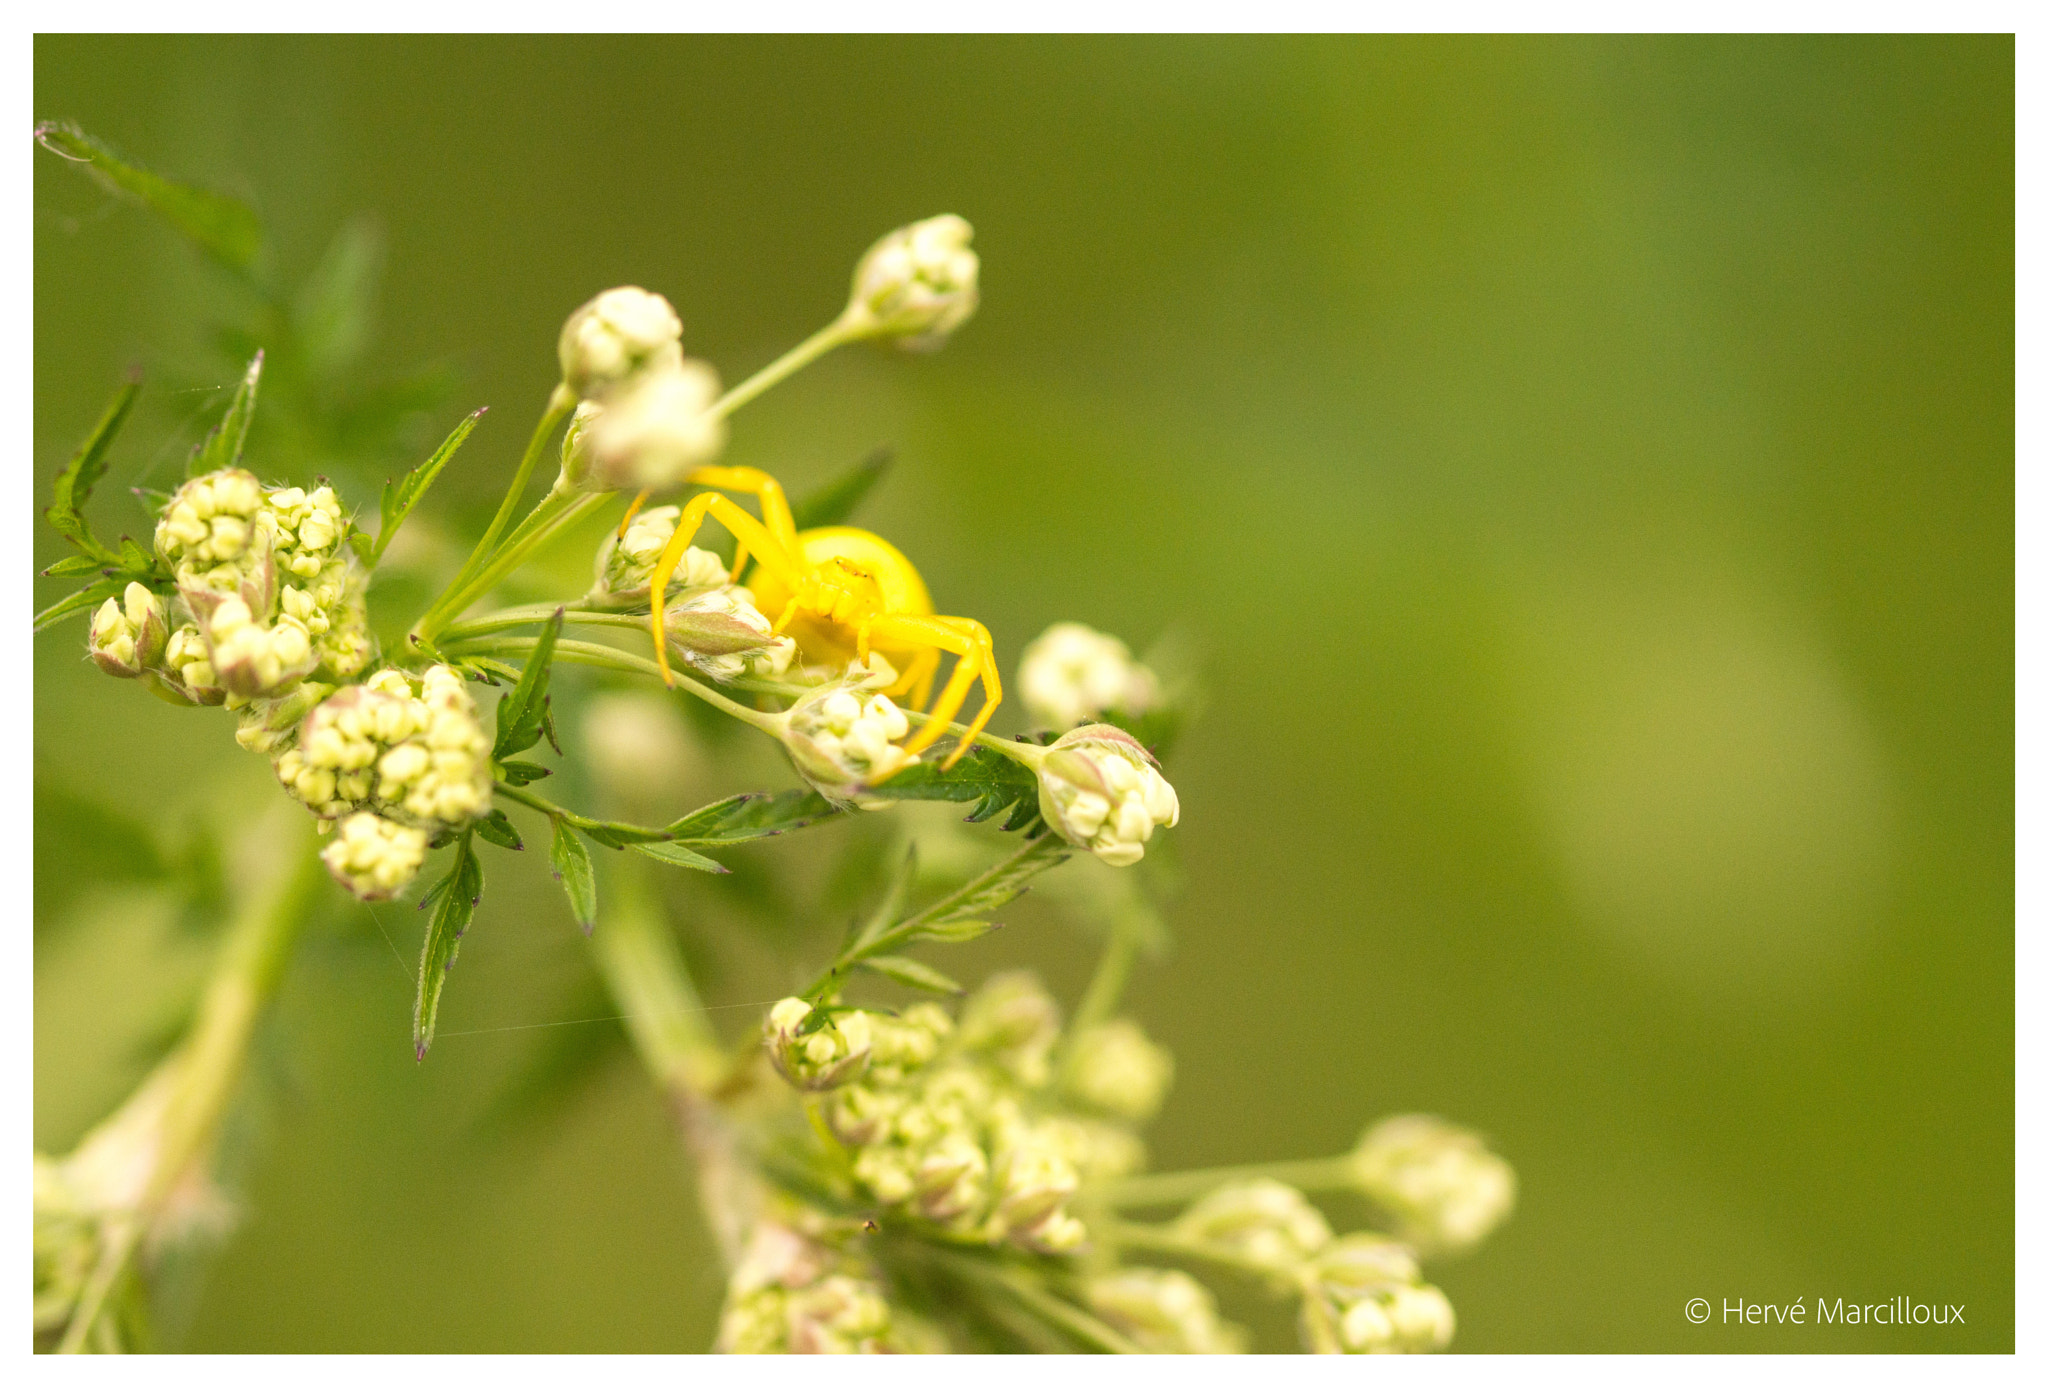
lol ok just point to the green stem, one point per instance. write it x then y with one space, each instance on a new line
1152 1238
208 1065
1061 1313
554 511
1112 974
637 957
535 613
605 657
1329 1173
833 334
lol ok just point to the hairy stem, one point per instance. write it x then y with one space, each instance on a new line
1182 1186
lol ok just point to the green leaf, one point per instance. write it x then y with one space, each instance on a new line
332 313
74 563
759 815
521 712
835 502
76 482
84 599
496 828
991 781
954 932
676 855
994 889
579 879
618 835
523 772
221 226
401 497
458 894
364 547
223 446
911 973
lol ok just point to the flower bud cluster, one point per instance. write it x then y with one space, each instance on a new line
1371 1291
270 726
1117 1071
1074 674
1261 1221
917 284
645 417
722 634
843 737
274 593
127 636
1445 1190
416 756
374 858
1163 1312
1101 790
801 1289
625 562
958 1125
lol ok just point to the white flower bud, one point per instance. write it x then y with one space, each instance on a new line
833 1054
1262 1221
1034 1182
271 725
722 634
952 1178
128 636
651 432
619 334
625 563
1400 1319
917 284
420 759
1163 1312
216 536
842 738
1015 1021
1101 790
1073 674
791 1293
374 858
1445 1190
905 1044
1099 1151
1118 1071
187 669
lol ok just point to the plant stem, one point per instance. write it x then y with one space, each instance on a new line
1152 1238
638 959
207 1066
1181 1186
831 335
604 656
554 511
1051 1308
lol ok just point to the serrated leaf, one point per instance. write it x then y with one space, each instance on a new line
84 599
954 931
573 869
222 447
76 482
74 563
676 855
911 973
521 711
135 558
400 497
364 547
745 817
523 772
457 905
835 502
989 780
995 888
494 827
223 227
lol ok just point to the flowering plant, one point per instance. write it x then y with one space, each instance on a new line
885 1170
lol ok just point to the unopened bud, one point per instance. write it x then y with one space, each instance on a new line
1163 1312
1014 1020
1073 674
187 670
952 1178
625 562
1405 1319
817 1059
1118 1071
619 334
904 1044
651 432
374 858
128 636
1445 1190
842 738
271 725
1262 1221
722 634
1101 790
917 284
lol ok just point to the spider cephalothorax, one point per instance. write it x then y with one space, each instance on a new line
841 593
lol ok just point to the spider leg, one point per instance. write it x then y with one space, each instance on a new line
744 527
631 511
752 481
967 639
916 680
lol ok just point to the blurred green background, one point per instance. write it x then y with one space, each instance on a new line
1585 466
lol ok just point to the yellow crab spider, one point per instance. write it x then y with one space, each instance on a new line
840 592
